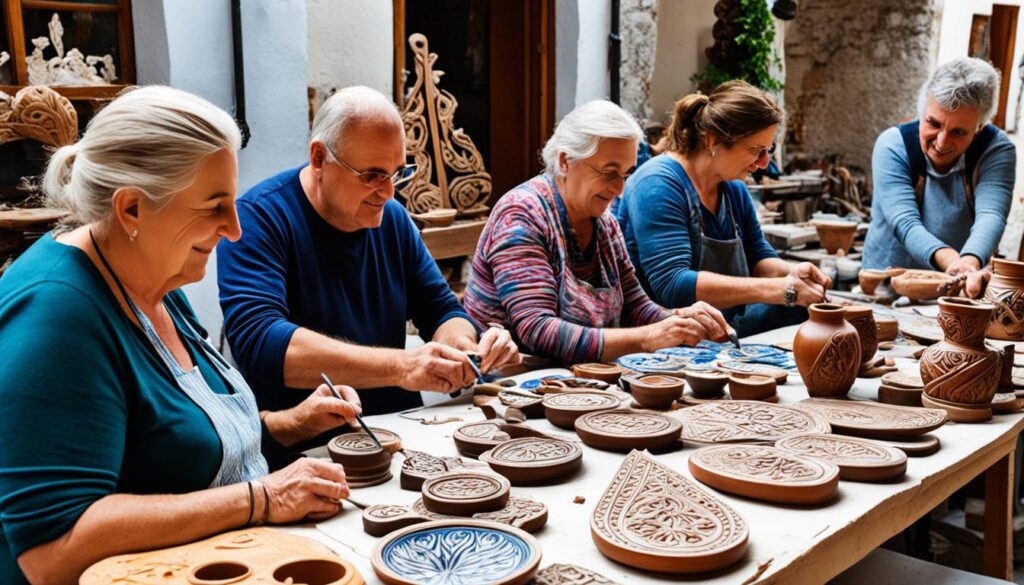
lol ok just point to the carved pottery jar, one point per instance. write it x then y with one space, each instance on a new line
1006 292
863 320
827 351
961 373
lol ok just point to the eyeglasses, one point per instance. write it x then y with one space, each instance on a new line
610 176
762 151
376 178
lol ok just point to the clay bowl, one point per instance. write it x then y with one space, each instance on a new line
656 391
835 235
435 217
604 372
706 384
465 492
751 387
492 552
563 409
900 396
919 285
624 430
1008 268
534 460
870 279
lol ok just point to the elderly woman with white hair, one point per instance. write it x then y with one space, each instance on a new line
943 183
123 428
552 266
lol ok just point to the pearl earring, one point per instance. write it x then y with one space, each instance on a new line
135 234
713 153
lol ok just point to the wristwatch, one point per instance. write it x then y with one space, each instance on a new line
789 296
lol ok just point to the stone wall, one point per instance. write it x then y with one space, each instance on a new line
853 69
638 23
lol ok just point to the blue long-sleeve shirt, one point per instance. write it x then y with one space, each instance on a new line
905 235
655 217
292 269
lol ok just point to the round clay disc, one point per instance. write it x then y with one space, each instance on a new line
956 412
534 460
765 473
563 409
624 430
464 493
858 459
922 446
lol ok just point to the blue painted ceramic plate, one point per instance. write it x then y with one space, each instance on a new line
536 382
653 363
457 552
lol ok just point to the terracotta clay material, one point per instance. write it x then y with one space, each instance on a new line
921 446
562 384
1006 293
962 373
656 391
435 218
751 387
735 368
472 439
898 396
765 473
835 235
689 399
706 384
241 557
464 493
743 421
900 380
365 463
827 351
863 320
561 574
533 460
652 518
622 430
923 331
888 328
919 285
419 467
870 279
605 372
869 419
563 409
522 513
532 407
433 552
858 459
1006 403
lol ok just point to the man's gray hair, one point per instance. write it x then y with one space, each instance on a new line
581 130
352 104
963 82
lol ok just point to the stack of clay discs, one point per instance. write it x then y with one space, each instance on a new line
464 493
858 459
563 409
534 460
365 463
901 389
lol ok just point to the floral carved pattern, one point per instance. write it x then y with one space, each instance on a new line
762 463
38 113
522 513
650 517
570 575
835 368
581 400
860 417
841 450
484 430
457 555
534 450
626 423
460 488
739 421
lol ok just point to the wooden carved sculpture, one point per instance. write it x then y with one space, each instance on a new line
39 113
449 170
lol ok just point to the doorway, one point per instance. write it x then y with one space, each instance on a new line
1002 42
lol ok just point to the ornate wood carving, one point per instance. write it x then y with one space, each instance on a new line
449 169
39 113
653 518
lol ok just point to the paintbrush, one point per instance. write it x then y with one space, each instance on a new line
355 503
359 419
735 340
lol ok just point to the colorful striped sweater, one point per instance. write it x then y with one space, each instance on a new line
520 278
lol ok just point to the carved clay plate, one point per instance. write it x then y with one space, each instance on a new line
522 513
920 446
651 517
419 466
464 493
735 367
873 420
765 473
472 439
746 421
858 459
570 575
457 552
563 409
534 460
622 430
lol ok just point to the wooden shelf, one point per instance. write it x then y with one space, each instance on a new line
458 239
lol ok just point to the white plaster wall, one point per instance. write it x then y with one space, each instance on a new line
592 64
567 32
684 31
350 43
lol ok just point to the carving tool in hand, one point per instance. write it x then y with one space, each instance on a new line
355 503
735 341
359 419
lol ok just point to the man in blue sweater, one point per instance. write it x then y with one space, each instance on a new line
943 184
329 269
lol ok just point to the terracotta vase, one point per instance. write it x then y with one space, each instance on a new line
827 351
836 235
1006 292
961 373
863 320
870 279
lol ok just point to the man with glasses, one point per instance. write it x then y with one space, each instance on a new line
330 268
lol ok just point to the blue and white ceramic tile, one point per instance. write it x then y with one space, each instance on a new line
536 382
457 555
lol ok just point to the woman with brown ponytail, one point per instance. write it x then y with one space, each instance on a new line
689 222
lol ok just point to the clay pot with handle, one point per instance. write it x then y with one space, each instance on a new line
1006 292
961 373
827 351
